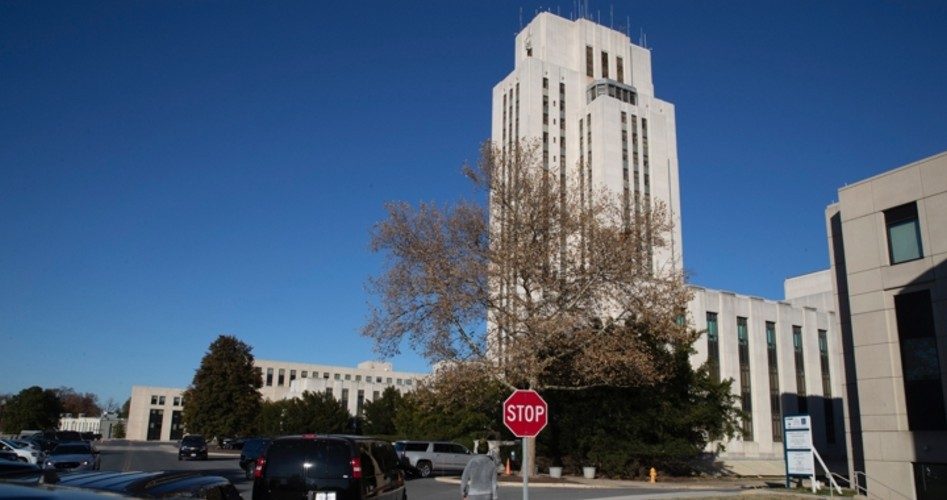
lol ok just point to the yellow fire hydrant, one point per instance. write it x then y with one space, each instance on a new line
654 475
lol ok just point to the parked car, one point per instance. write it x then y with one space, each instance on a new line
24 452
154 484
72 455
253 448
19 472
329 466
193 446
427 457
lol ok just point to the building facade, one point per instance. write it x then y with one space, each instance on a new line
106 425
888 246
784 358
155 413
586 92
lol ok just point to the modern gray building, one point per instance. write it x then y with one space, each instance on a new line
888 245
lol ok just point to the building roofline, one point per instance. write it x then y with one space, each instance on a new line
893 171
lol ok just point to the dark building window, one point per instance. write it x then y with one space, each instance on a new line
930 481
904 233
269 377
620 69
604 64
713 347
588 60
292 375
304 374
281 379
360 402
775 406
920 364
800 369
328 391
743 345
827 387
345 396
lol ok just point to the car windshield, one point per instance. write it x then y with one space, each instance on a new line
192 440
71 449
308 459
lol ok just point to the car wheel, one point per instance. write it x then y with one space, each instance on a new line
424 468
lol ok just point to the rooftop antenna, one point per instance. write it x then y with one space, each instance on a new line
611 9
521 18
628 27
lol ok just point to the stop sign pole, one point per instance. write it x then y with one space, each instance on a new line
525 414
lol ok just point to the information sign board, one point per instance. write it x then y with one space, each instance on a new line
797 442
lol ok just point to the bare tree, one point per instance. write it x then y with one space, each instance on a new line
552 285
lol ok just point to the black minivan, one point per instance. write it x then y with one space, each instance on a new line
329 467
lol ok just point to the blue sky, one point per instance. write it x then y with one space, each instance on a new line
171 171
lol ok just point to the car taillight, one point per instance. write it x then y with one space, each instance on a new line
258 468
356 464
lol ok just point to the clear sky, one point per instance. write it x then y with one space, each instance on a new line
171 171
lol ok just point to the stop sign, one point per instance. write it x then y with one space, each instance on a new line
525 413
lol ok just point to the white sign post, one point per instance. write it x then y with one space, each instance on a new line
797 443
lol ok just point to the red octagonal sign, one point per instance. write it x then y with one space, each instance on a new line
525 413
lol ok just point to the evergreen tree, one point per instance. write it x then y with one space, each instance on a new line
315 412
224 397
380 414
32 408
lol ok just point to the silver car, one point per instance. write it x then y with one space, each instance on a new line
23 450
72 455
427 457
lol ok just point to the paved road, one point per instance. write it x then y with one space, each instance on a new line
127 456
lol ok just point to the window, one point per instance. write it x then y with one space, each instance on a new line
920 365
407 382
161 400
375 396
345 396
378 380
824 362
154 399
398 381
292 375
304 374
328 391
358 378
360 402
904 233
588 60
620 69
746 397
802 402
775 406
604 64
269 377
348 376
338 376
388 380
177 400
281 380
713 347
325 375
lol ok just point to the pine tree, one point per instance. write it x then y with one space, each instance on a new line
32 408
224 397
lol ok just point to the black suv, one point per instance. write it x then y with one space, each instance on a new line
253 448
329 466
193 446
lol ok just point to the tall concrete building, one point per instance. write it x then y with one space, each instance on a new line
888 244
586 92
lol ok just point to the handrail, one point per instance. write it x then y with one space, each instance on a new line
879 483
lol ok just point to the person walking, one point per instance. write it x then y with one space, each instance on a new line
479 480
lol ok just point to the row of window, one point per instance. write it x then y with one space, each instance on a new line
281 377
159 400
590 65
743 349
